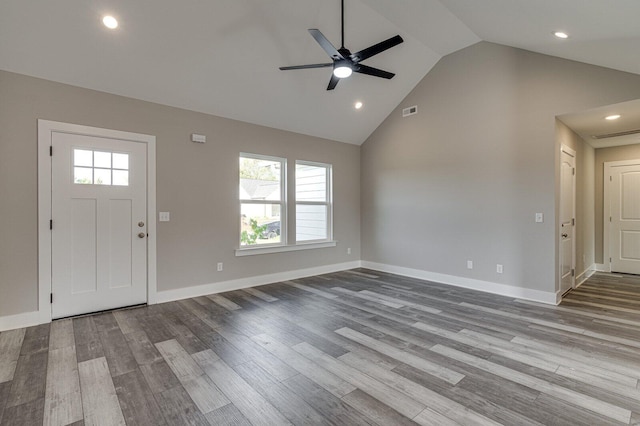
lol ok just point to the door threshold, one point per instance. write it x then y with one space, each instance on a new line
123 308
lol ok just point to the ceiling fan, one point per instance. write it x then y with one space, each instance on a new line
345 62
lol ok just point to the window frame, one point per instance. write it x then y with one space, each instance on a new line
328 202
282 203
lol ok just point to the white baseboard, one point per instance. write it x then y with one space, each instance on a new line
26 319
219 287
580 279
601 267
551 298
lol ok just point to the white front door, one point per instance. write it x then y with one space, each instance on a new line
99 223
567 219
625 219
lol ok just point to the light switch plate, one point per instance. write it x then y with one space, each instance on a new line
165 217
539 217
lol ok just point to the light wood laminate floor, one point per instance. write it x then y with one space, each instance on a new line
351 348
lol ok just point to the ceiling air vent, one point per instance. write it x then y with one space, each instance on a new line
615 135
410 111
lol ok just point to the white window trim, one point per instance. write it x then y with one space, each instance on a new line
282 202
267 249
328 203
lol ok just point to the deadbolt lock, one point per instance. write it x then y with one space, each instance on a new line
140 224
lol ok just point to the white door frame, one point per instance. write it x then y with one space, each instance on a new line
571 152
606 208
45 130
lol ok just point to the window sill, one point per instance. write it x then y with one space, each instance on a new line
251 251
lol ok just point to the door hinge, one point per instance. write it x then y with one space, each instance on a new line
50 224
51 297
573 171
609 260
609 218
50 150
610 178
573 221
573 272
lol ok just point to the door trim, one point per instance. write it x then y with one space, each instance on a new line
45 130
606 208
572 153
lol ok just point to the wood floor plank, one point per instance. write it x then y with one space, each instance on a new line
99 399
117 351
63 399
5 388
246 399
228 415
61 334
224 302
260 294
179 409
429 367
584 401
431 399
375 410
88 344
323 378
10 345
143 351
377 389
294 408
36 339
159 376
29 380
27 414
336 411
182 365
138 405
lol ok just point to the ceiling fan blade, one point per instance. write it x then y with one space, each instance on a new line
376 48
333 82
304 67
363 69
325 44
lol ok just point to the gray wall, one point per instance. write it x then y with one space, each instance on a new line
585 190
464 177
618 153
197 183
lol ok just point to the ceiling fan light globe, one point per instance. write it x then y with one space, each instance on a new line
342 71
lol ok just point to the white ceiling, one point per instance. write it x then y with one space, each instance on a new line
593 123
222 57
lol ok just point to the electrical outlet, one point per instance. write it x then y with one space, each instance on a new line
499 268
539 217
349 250
219 266
469 264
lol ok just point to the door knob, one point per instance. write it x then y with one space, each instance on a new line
140 224
141 235
565 235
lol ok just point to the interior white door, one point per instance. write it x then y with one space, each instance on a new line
625 219
99 244
567 219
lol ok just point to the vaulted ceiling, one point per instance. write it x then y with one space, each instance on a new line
222 57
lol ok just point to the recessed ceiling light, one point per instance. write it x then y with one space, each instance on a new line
110 22
358 105
612 117
561 34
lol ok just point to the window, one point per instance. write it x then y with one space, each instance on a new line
262 200
313 201
100 168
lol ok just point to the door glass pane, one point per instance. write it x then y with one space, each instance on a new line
82 157
102 176
311 222
259 224
83 175
102 159
311 183
121 177
120 161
